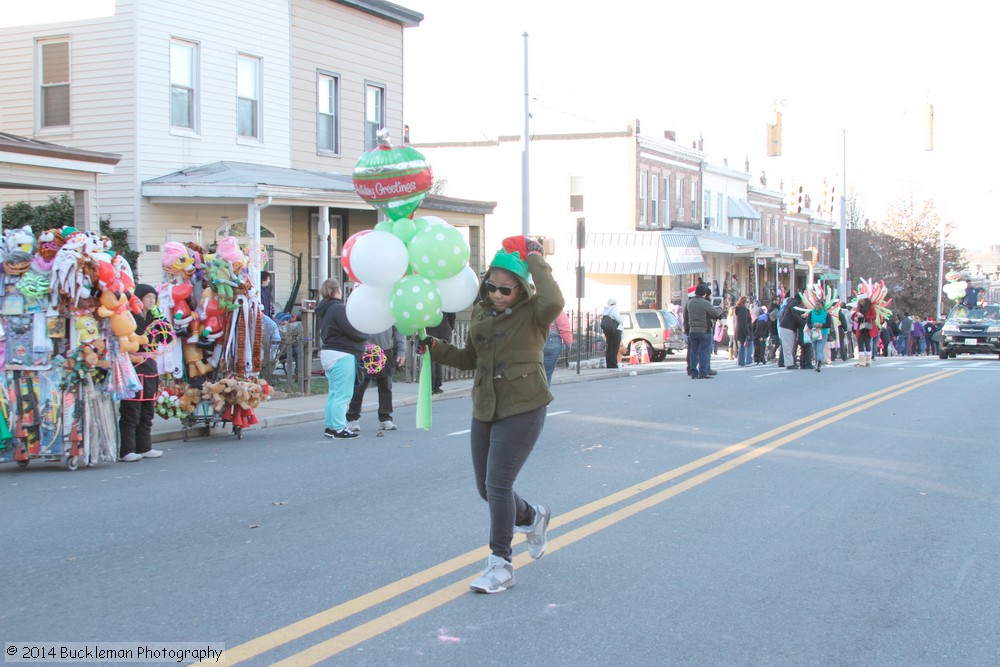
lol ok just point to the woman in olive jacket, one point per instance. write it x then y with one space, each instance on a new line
504 346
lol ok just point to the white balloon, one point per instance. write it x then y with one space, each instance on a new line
459 291
379 259
368 309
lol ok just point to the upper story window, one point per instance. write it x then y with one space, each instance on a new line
327 102
654 199
679 199
576 194
643 184
374 114
53 83
666 202
183 87
694 199
248 87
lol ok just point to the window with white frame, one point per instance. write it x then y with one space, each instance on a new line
679 182
643 184
709 218
694 199
576 194
248 87
721 224
326 113
666 202
374 114
53 83
183 84
654 199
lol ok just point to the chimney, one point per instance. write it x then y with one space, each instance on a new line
670 135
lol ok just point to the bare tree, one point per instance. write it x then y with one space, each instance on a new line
903 250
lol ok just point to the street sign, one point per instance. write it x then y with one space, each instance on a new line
829 276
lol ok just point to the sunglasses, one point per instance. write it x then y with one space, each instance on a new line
506 290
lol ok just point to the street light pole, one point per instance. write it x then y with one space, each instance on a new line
844 293
525 187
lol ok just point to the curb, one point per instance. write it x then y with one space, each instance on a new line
287 419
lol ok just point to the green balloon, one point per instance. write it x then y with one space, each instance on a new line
404 229
386 226
415 303
438 252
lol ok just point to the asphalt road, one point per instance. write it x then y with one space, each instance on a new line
765 517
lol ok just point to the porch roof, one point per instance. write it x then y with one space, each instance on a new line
231 182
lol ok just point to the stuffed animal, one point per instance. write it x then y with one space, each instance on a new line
114 307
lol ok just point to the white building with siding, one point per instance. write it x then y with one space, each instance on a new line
230 116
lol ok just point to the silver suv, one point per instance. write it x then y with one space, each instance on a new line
660 329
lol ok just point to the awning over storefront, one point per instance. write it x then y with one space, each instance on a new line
741 208
725 245
683 254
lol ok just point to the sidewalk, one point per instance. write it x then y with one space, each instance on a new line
302 409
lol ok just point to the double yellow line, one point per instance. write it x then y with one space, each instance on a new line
774 438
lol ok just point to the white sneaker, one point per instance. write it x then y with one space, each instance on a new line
152 454
387 426
496 578
354 426
131 457
538 535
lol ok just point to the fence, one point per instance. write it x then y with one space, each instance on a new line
589 341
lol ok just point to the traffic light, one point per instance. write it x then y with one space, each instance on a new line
833 198
774 136
810 255
795 200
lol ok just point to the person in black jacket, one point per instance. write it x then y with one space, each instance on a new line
761 331
442 331
342 345
744 331
790 327
135 415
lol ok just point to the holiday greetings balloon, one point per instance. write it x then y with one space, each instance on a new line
415 303
379 259
459 291
438 252
394 180
368 309
345 253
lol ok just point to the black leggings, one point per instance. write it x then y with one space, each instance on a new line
864 341
499 450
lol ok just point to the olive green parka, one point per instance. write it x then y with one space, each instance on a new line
505 348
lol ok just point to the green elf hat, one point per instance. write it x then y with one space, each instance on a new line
511 262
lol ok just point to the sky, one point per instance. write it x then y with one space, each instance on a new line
851 79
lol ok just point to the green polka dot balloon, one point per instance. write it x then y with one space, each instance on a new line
415 302
438 251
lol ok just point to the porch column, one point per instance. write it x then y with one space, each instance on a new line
85 212
323 232
253 233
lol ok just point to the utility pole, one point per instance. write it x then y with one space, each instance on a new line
525 181
844 290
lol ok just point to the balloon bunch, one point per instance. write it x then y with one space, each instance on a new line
411 270
878 294
820 298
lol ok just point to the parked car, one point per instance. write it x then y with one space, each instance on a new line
660 329
971 330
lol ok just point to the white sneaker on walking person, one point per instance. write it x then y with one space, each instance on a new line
496 578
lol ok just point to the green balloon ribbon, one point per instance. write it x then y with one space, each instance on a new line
424 388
